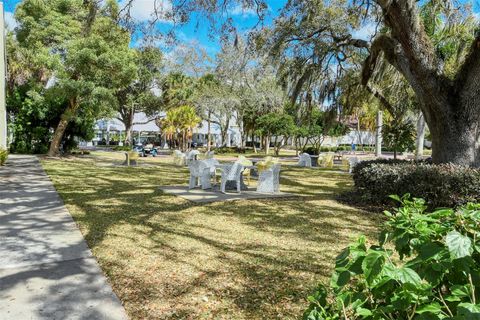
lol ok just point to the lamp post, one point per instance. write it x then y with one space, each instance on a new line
378 134
3 110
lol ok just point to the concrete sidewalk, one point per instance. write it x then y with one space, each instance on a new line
46 269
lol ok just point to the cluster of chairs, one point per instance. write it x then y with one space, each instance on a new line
326 161
182 159
203 171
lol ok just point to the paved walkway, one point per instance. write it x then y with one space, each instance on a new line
46 269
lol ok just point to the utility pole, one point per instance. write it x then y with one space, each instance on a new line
378 136
3 63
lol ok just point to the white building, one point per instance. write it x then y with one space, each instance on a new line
112 132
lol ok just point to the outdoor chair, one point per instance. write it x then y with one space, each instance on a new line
266 163
349 164
192 156
231 173
178 158
201 174
269 179
326 161
304 160
246 163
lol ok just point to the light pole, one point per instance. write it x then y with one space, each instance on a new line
378 134
3 110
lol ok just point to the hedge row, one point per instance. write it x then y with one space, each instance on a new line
441 185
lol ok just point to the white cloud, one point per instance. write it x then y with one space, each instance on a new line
239 10
10 21
144 10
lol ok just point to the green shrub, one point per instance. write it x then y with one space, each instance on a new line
425 266
3 156
122 148
440 185
224 150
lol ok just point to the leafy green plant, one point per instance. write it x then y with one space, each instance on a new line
3 156
399 136
425 266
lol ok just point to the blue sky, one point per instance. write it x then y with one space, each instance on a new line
196 32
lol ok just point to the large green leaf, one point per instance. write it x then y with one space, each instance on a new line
469 311
459 245
372 265
407 275
434 308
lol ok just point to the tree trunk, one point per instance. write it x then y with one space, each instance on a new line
67 115
420 137
267 145
128 122
254 144
456 142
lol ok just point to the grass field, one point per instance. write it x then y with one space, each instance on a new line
168 258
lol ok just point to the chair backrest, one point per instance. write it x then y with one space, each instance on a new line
197 167
353 161
244 161
192 154
149 146
234 171
211 164
271 159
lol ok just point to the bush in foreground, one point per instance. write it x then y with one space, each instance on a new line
440 185
425 266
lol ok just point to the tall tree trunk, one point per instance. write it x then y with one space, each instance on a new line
128 136
224 132
456 142
67 115
254 143
128 123
267 145
420 137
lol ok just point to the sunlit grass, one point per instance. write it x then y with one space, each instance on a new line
168 258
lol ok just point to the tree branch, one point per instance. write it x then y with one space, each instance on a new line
382 43
471 64
386 104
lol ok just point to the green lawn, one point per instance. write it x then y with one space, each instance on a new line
168 258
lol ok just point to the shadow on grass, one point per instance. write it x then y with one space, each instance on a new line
170 258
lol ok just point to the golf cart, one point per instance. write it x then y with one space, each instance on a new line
147 150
